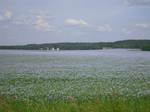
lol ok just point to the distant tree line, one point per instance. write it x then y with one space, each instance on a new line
133 44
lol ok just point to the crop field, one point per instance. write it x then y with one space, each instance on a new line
75 81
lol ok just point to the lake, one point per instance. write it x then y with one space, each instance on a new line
78 73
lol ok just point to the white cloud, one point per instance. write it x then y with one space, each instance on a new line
76 22
143 25
39 21
126 2
104 28
8 14
126 31
44 14
24 20
1 18
42 24
137 31
136 2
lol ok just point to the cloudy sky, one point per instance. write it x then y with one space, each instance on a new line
49 21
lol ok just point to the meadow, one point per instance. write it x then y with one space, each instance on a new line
116 80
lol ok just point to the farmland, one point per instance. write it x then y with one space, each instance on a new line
116 80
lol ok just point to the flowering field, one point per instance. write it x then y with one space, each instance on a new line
65 81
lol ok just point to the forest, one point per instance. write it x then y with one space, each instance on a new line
131 44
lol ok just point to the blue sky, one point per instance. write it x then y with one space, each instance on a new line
50 21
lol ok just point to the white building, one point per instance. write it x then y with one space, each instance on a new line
53 49
57 49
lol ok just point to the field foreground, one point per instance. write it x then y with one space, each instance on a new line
75 81
100 104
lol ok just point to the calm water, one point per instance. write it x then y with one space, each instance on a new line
87 72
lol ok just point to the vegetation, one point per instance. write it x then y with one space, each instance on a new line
134 44
146 47
78 81
114 103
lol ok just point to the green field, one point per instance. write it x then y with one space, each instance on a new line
75 81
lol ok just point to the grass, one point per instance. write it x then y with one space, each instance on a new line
113 103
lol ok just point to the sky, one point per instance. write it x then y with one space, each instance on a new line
54 21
